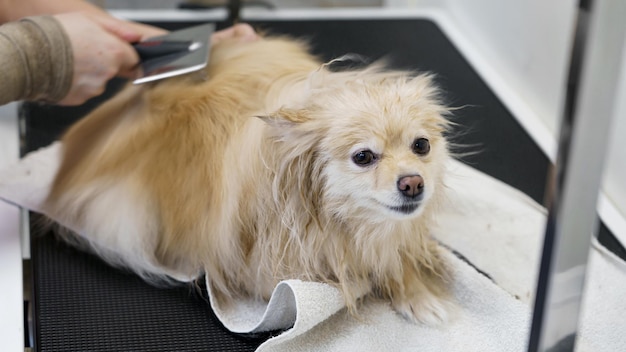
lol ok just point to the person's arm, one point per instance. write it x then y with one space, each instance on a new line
69 58
13 10
36 60
64 59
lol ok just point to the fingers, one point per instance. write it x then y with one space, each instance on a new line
99 55
102 50
130 32
131 73
126 56
145 31
241 32
118 28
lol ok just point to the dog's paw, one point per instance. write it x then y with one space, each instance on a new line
425 309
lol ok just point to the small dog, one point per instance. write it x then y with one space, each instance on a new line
267 166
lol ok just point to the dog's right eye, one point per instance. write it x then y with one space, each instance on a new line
364 157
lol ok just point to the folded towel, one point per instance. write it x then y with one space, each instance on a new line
494 227
603 314
488 319
27 183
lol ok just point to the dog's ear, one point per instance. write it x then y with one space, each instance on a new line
294 128
285 118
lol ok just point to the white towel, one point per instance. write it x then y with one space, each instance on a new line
603 314
495 227
488 319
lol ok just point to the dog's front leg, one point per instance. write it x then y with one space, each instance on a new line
423 296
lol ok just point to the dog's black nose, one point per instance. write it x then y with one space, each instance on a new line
411 186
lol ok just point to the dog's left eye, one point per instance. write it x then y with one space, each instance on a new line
421 146
364 157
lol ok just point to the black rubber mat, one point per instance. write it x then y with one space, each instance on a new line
84 305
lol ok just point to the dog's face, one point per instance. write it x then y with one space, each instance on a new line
389 168
379 145
386 149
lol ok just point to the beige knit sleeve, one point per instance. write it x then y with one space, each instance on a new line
36 60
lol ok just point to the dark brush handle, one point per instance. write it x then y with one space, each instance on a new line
157 48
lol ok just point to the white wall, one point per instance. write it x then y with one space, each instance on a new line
528 41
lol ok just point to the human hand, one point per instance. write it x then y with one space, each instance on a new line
126 30
242 32
101 51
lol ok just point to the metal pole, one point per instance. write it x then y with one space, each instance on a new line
575 181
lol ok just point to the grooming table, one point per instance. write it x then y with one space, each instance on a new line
82 304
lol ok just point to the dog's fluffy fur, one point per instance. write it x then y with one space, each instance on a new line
247 172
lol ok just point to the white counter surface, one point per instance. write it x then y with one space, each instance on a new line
11 300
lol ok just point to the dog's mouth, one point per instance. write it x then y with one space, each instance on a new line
406 208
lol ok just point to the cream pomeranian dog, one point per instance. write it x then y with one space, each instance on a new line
267 166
